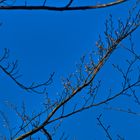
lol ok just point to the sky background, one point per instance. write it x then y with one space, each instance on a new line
49 41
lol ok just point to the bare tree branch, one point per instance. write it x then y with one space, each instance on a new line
80 84
65 8
106 129
11 71
46 132
125 32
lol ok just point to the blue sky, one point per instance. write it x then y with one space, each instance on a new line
48 41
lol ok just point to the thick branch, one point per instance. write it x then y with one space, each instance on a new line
66 8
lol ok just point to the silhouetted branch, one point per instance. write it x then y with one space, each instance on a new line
11 71
65 8
44 2
46 132
69 3
106 129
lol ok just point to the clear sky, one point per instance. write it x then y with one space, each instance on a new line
49 41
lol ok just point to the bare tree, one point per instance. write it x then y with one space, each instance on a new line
81 84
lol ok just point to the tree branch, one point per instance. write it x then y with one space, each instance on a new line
65 8
11 71
114 43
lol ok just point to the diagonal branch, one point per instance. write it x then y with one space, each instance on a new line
106 129
47 133
88 81
137 83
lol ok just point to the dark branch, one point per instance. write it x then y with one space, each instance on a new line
11 71
106 129
47 133
66 8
